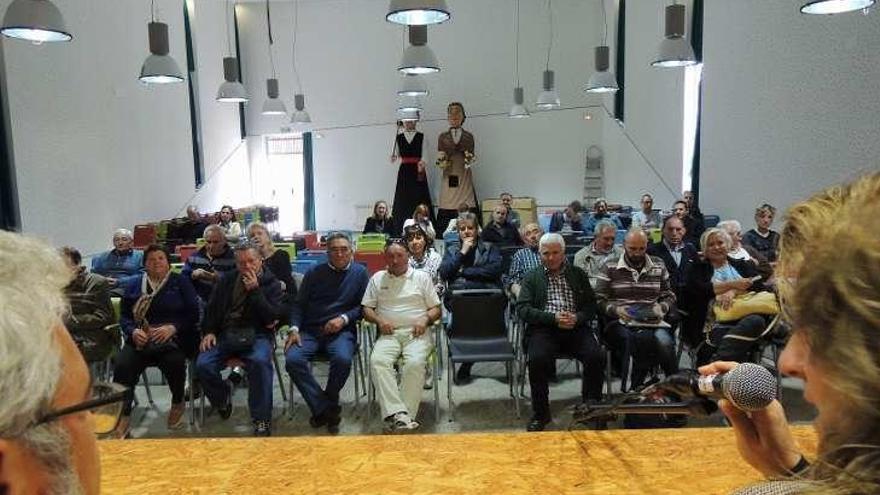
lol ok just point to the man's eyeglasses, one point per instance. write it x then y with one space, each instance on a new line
105 405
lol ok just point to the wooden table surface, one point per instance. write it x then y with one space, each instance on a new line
690 460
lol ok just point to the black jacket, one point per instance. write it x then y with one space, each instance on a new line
698 291
263 305
676 272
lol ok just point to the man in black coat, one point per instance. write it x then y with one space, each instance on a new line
676 253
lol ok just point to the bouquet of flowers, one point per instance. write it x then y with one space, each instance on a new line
469 159
442 161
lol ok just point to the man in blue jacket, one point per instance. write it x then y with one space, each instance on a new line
120 264
324 319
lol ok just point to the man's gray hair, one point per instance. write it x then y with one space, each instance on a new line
603 225
245 245
551 238
332 236
214 228
31 306
730 226
123 233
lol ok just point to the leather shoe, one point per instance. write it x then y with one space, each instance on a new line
537 424
463 375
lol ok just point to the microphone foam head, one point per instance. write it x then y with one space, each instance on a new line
749 386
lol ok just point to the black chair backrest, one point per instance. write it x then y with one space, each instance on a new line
507 253
478 313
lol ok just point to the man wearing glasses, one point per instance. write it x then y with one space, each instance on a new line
49 411
324 319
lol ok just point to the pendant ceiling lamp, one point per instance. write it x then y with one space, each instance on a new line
835 6
418 58
602 80
300 117
409 104
418 12
38 21
231 90
517 110
674 49
413 85
272 105
548 98
159 67
408 115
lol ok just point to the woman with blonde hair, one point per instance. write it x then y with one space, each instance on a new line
829 278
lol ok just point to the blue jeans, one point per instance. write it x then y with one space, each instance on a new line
339 348
258 363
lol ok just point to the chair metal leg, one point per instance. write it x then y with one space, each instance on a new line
147 388
449 367
357 389
279 375
290 402
435 380
191 408
608 373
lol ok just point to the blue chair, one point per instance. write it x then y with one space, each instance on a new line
710 221
620 236
302 266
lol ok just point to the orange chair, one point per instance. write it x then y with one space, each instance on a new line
144 235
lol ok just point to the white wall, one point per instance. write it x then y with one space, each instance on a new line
347 60
94 148
791 103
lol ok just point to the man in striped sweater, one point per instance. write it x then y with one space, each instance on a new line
634 294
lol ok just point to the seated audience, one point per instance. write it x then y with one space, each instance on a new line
568 220
693 209
206 265
194 226
721 278
512 214
324 319
230 227
423 256
91 311
600 212
453 224
525 259
558 305
647 218
762 239
240 320
693 226
634 294
120 264
742 252
422 218
592 258
499 231
42 373
380 222
159 313
676 254
403 304
470 264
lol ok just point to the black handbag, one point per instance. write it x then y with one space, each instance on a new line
238 339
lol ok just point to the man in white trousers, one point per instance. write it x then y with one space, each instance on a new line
403 304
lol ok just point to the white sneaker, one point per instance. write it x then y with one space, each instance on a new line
402 423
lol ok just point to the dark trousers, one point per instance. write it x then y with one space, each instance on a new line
340 350
131 362
545 345
736 341
646 346
258 364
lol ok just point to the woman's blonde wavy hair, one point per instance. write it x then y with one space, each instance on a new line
829 280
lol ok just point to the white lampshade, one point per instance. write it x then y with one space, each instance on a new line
300 117
231 91
413 85
674 50
518 110
548 99
418 58
407 115
835 6
159 67
602 81
417 12
272 105
409 104
38 21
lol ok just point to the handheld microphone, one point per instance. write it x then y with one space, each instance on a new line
749 386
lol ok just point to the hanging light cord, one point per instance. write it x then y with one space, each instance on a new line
295 29
152 10
605 23
516 61
271 39
228 40
550 44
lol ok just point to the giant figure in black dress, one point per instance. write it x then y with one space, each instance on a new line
412 181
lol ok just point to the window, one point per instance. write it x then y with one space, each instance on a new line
281 181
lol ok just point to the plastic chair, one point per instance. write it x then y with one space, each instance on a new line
478 333
144 235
